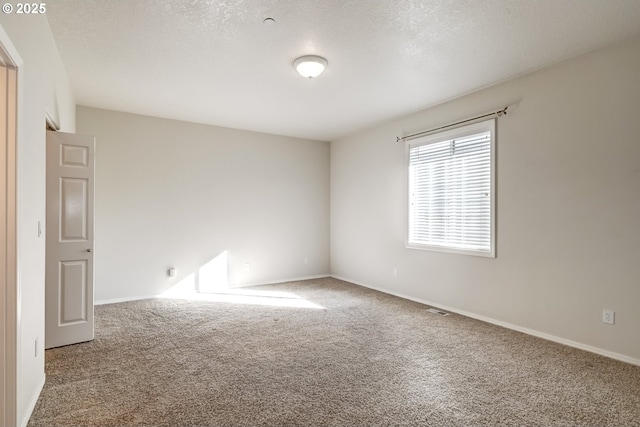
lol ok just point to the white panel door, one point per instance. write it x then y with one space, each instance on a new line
69 271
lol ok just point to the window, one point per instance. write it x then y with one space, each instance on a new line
452 190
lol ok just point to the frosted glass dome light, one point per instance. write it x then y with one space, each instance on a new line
310 66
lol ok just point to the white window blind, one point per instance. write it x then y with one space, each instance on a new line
451 190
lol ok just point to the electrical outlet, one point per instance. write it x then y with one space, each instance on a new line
247 266
609 317
395 272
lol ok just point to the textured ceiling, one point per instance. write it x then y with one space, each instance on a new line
216 62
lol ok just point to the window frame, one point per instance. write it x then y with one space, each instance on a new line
458 132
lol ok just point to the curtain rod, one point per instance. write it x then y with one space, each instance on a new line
497 113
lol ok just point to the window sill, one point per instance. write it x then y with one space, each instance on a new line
434 248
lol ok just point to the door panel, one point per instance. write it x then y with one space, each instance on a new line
69 275
74 156
73 285
73 209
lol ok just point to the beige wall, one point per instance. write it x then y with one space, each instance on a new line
177 194
44 90
568 196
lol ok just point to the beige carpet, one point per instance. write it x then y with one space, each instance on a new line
363 359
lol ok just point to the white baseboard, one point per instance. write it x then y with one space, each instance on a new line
33 401
294 279
507 325
125 299
244 285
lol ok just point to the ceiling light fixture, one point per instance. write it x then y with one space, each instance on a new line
310 66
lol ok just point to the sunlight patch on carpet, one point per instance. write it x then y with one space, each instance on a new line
242 296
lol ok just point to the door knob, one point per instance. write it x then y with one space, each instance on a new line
89 250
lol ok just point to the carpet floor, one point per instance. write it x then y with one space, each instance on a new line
323 353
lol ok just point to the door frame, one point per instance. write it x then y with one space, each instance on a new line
9 314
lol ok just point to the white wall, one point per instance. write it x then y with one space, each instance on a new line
177 194
568 199
45 90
